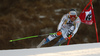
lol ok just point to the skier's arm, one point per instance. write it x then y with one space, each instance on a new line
61 22
77 24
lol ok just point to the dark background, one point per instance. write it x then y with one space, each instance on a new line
22 18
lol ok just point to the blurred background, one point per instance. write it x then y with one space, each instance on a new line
22 18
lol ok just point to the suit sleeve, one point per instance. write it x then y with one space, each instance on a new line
77 24
61 22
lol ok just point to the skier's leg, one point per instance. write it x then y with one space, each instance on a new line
64 38
48 39
61 40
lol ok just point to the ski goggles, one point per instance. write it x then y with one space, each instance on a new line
72 16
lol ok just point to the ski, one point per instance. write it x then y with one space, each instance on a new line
41 43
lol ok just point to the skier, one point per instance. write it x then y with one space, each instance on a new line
67 27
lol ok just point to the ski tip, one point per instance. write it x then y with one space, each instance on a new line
11 41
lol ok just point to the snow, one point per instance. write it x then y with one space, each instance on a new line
58 10
46 30
57 13
89 49
78 4
41 16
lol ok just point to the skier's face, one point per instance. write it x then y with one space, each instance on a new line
72 17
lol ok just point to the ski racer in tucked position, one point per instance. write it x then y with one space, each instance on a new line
67 28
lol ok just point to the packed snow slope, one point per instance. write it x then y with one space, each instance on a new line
89 49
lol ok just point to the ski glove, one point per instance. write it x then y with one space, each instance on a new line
70 35
59 32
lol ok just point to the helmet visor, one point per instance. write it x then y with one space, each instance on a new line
72 16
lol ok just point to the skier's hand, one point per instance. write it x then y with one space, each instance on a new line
59 33
70 36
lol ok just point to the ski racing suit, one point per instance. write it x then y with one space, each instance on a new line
67 27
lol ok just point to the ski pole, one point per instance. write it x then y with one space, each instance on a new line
31 37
